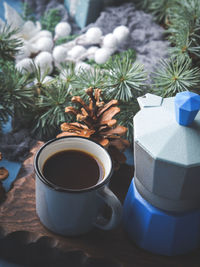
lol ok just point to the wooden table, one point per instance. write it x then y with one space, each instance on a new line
25 241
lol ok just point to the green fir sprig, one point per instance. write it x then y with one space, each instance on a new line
50 110
125 79
16 95
175 75
9 44
50 19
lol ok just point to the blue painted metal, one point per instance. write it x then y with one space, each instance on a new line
157 231
187 105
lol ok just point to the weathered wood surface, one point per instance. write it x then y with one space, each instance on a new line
24 240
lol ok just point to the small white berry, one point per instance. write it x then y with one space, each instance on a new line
25 65
91 52
62 29
110 41
24 52
43 33
102 55
76 51
44 44
43 59
59 53
93 35
121 33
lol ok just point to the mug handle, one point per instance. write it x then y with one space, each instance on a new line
113 202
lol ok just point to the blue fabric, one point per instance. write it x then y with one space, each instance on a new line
7 127
13 168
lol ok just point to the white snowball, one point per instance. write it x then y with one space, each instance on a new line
43 33
62 29
24 52
93 35
81 66
102 55
43 59
47 69
91 52
25 65
110 41
44 44
59 53
121 33
76 51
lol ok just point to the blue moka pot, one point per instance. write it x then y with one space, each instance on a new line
162 207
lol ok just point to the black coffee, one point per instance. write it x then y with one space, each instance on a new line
73 169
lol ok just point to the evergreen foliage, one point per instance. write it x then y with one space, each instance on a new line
8 46
50 109
27 12
175 75
16 96
181 19
41 105
50 19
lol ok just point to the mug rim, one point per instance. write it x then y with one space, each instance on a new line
63 189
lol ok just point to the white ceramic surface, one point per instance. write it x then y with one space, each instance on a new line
74 212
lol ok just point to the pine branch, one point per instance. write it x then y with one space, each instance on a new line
159 8
9 45
125 117
50 19
175 75
51 109
184 28
27 12
16 95
95 78
68 74
125 78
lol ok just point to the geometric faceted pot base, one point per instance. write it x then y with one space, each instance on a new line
159 231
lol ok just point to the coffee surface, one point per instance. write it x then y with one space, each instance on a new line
73 169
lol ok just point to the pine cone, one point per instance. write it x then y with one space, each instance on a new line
96 121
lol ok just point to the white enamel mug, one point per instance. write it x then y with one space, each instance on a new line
74 212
